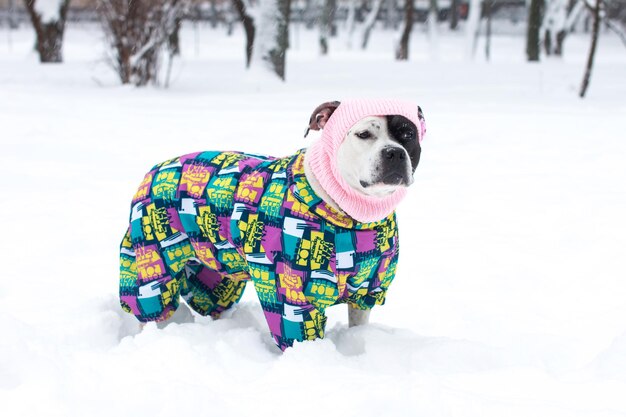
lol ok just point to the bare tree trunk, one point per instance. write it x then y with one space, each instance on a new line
351 21
454 14
49 31
138 31
488 5
327 24
13 24
433 31
173 40
592 51
577 6
402 49
532 34
472 26
273 35
248 25
557 22
369 23
391 20
310 14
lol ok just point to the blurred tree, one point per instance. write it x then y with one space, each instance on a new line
488 12
433 32
561 16
351 21
243 9
48 18
472 27
13 23
613 26
532 34
138 31
454 14
272 38
392 17
369 23
592 50
402 49
327 24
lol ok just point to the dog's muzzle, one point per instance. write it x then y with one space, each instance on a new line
394 166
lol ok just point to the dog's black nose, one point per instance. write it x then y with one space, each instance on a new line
394 153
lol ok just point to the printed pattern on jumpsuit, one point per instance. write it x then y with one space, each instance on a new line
204 224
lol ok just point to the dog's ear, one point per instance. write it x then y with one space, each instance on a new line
420 114
422 120
320 116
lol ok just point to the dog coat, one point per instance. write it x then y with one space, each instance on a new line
203 224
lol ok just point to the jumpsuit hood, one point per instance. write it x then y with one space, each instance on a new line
322 156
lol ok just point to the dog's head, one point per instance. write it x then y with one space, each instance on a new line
379 153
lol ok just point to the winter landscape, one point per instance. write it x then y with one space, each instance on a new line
510 297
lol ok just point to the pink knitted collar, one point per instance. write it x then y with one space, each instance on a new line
322 156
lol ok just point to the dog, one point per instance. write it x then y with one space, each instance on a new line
310 230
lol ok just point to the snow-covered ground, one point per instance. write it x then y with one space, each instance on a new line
510 298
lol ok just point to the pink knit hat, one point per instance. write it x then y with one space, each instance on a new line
322 156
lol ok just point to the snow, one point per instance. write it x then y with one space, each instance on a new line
510 297
48 10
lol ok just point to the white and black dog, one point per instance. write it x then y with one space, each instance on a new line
311 230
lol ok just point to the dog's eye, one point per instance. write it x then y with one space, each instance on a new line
407 135
364 134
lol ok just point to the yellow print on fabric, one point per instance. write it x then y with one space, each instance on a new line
314 327
264 283
171 290
165 185
306 196
239 276
342 277
227 159
254 233
225 292
207 222
338 218
177 256
221 191
298 207
366 267
149 263
388 272
250 188
314 252
232 260
384 233
280 165
205 255
155 224
323 293
321 252
272 200
195 178
292 284
128 268
144 188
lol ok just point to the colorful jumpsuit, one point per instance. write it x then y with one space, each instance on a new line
203 224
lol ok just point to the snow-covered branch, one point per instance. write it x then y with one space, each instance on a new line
611 25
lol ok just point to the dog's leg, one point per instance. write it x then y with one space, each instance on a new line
357 317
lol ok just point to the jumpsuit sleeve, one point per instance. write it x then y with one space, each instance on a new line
290 316
376 292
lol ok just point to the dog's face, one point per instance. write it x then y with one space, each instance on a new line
379 153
